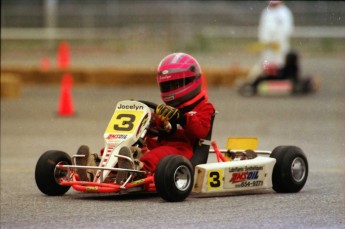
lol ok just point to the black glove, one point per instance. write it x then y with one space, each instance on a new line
170 114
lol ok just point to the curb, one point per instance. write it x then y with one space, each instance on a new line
115 76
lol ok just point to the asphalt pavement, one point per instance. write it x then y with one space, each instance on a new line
316 123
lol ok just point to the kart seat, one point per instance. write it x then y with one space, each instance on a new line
202 147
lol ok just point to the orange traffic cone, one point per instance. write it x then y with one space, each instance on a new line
66 103
63 55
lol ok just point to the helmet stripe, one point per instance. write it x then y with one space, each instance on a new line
177 58
186 60
167 60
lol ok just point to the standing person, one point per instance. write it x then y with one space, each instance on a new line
183 91
275 29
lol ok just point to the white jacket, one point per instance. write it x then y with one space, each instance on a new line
276 26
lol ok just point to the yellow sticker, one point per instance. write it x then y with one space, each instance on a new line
91 188
215 179
124 121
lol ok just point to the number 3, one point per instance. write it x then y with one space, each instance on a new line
215 179
127 122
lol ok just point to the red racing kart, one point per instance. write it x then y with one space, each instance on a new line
240 167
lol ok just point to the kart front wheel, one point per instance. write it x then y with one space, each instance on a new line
174 178
47 176
290 172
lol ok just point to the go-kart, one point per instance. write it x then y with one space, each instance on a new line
280 87
240 167
283 80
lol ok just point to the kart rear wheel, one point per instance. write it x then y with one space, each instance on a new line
47 176
174 178
290 172
247 89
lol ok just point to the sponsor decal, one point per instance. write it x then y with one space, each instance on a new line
91 188
246 168
116 136
168 98
137 181
246 179
246 176
249 184
130 107
239 177
192 113
165 77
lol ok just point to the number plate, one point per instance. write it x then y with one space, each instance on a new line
215 179
124 122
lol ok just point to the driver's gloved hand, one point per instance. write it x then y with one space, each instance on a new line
166 113
170 114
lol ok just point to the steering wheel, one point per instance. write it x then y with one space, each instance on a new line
160 131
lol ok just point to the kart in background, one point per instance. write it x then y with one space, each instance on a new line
274 87
271 79
240 167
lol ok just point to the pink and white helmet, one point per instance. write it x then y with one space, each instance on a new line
179 79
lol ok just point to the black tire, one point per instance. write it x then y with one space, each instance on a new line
174 178
247 90
290 172
307 85
47 176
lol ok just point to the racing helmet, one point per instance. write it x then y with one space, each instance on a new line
180 79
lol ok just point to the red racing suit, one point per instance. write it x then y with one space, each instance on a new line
198 124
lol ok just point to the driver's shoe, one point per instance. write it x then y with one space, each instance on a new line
124 163
88 160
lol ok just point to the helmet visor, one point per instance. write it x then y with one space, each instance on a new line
175 84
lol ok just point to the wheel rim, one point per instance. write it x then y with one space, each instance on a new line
60 173
298 169
182 178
